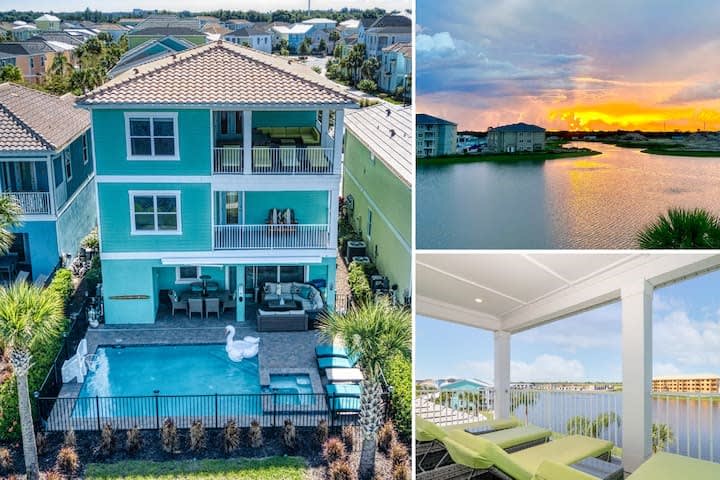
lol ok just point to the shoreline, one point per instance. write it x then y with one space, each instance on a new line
682 153
506 157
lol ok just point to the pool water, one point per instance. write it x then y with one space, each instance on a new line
296 389
185 370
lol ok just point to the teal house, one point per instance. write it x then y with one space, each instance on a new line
46 165
377 185
396 68
218 165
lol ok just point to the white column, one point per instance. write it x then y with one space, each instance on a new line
247 141
502 374
333 205
51 185
339 130
324 127
637 372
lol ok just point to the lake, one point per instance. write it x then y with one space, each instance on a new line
593 202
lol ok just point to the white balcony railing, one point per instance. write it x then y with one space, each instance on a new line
238 237
32 203
274 161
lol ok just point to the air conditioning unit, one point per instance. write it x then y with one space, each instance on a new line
355 248
360 259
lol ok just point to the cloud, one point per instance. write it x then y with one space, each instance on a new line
563 58
543 368
690 344
435 44
665 369
697 92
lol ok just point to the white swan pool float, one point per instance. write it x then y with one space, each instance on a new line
239 349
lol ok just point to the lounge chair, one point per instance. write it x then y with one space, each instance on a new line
212 305
317 160
343 398
333 362
40 280
261 158
22 277
351 375
326 350
288 158
195 305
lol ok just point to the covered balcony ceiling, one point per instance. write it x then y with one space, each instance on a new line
514 292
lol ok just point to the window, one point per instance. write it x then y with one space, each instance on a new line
187 274
32 62
152 136
238 122
155 213
67 160
86 155
292 273
224 122
369 223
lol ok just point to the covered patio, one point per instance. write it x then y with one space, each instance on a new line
507 293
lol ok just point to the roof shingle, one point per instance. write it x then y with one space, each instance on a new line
220 73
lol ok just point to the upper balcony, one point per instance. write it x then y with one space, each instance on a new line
26 182
275 143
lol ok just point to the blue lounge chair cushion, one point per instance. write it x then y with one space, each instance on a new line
325 350
345 404
334 362
344 389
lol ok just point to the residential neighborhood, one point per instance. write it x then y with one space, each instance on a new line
178 189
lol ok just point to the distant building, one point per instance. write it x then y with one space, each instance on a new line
33 58
465 384
387 30
470 143
518 137
434 136
113 29
139 36
699 383
395 67
148 52
254 37
48 22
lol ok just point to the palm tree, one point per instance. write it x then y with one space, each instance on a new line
681 228
580 425
10 212
373 332
29 316
60 66
662 436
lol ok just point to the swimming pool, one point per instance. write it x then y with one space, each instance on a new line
292 389
194 373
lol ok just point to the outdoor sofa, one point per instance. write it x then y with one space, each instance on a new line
307 294
276 321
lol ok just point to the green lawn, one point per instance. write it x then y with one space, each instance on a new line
681 153
505 157
281 468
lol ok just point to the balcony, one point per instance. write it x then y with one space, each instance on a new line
32 203
284 160
241 237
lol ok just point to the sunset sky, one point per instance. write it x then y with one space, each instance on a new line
570 64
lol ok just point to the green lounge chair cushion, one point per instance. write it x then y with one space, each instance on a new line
499 424
663 465
512 437
550 470
476 452
427 431
567 450
333 362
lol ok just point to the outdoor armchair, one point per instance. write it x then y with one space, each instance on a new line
195 305
212 305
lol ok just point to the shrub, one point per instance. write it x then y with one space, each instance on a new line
107 440
340 470
6 461
68 461
91 240
289 436
40 442
321 432
401 472
169 436
398 371
333 450
197 436
399 454
359 284
230 436
255 435
367 86
316 69
53 475
134 440
348 437
62 284
386 437
69 440
93 277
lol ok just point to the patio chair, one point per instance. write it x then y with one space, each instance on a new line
288 158
22 276
40 280
229 303
262 160
177 304
212 305
195 305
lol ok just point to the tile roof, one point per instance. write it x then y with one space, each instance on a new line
401 47
392 20
37 121
25 48
519 127
57 37
220 73
247 32
425 119
164 31
215 28
386 130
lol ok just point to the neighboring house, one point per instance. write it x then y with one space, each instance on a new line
139 36
467 143
395 67
198 175
294 34
215 31
387 30
321 23
466 394
207 20
149 52
362 28
465 384
48 23
60 37
348 27
237 23
518 137
256 38
33 58
23 31
46 164
434 136
113 29
7 59
377 183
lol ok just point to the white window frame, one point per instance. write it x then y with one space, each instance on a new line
178 279
155 193
151 115
86 150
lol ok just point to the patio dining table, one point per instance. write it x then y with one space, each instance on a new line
222 295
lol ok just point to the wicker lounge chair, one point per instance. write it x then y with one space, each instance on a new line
212 305
195 305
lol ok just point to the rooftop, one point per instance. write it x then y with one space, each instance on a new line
386 130
693 376
220 73
401 47
25 48
31 120
519 127
247 32
164 31
47 18
316 21
392 20
215 28
425 119
297 28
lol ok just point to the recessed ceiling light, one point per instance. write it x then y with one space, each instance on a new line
478 300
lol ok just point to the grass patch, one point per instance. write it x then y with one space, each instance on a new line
682 153
282 468
505 157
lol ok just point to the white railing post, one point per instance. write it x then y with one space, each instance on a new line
339 131
247 141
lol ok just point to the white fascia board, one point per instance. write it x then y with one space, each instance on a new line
226 256
452 313
658 269
222 106
224 183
